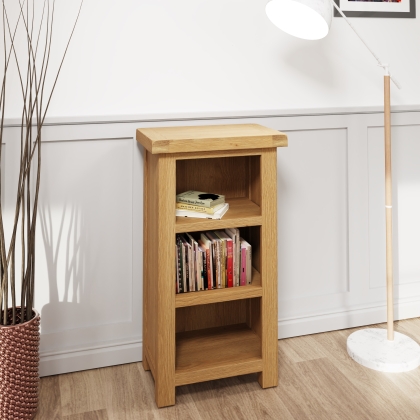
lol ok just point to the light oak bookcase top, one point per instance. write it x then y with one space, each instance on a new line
213 334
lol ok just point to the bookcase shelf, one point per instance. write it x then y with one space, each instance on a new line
242 212
221 295
183 334
199 357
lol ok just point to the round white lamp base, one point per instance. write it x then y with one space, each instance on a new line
371 348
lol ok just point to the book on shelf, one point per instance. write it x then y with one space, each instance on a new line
248 262
199 209
205 244
178 269
200 198
203 265
235 236
217 215
212 260
217 258
189 264
194 266
243 265
228 256
220 247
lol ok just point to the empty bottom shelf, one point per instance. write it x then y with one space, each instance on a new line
216 353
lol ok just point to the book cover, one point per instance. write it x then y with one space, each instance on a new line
180 265
176 269
200 198
217 258
243 265
189 263
228 256
199 209
248 248
235 235
184 268
203 264
196 280
217 215
205 243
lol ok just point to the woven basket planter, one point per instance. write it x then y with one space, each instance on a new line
19 362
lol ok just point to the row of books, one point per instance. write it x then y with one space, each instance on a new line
200 205
212 260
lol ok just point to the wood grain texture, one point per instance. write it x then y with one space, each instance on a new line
218 314
268 250
242 212
227 165
208 138
317 381
49 406
221 295
226 175
146 235
165 302
388 210
214 353
92 415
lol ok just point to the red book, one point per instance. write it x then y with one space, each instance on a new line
229 263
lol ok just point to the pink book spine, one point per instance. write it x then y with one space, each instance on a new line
243 267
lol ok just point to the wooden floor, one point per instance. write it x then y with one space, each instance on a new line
317 380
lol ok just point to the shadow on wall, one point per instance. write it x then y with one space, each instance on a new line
72 235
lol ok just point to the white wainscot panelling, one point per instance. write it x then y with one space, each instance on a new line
85 245
313 221
331 252
406 210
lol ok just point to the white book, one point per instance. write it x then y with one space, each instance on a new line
248 260
216 216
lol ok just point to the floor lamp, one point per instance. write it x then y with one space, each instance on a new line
375 348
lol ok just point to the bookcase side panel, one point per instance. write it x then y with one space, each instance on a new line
146 310
150 261
164 283
269 313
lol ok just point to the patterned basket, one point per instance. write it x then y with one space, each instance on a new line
19 361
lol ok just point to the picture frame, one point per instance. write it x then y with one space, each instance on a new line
377 9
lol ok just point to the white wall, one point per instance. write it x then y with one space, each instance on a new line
131 57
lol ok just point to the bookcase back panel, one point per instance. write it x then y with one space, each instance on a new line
252 234
212 315
231 176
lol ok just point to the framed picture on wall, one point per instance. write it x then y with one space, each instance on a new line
377 8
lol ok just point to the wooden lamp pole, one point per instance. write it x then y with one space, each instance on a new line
388 209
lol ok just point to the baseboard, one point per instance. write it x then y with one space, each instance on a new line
313 324
130 352
90 358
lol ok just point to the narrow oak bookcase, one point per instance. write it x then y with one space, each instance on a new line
206 335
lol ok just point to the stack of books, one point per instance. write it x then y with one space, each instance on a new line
201 205
212 260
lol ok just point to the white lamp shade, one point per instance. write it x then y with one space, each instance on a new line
307 19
